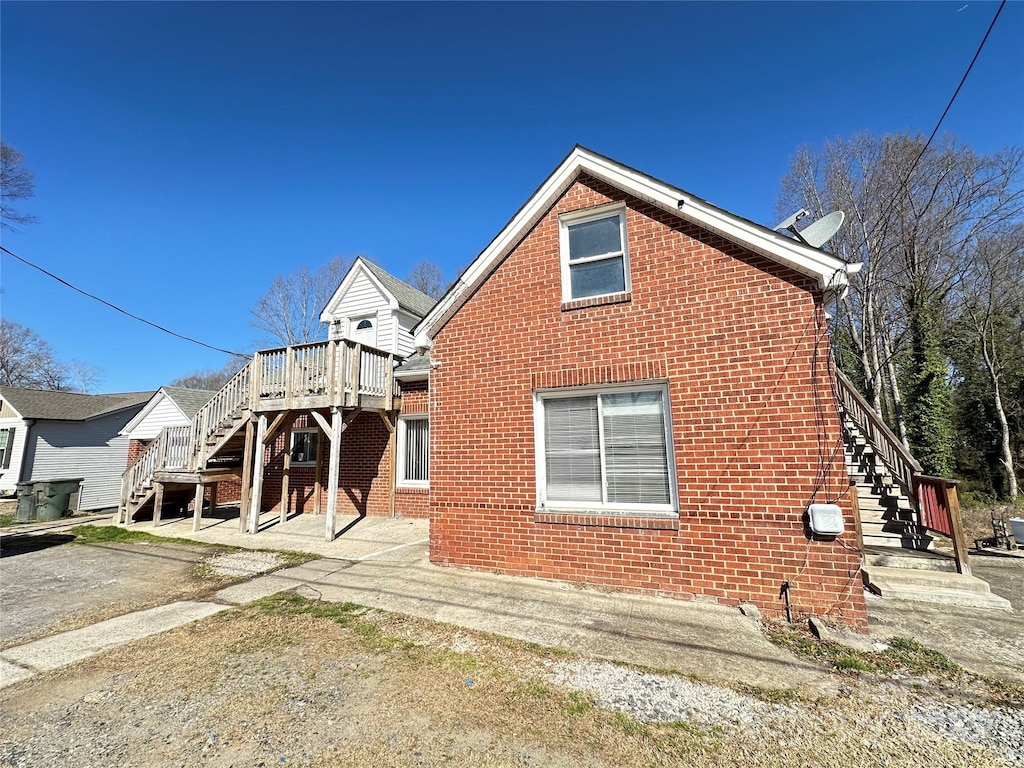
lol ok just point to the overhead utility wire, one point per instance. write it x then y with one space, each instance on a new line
117 308
956 92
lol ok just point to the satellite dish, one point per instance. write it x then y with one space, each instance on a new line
791 220
823 230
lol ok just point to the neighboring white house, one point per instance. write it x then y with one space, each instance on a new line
54 435
374 308
168 407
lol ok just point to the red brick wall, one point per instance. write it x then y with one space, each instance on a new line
413 502
742 344
364 482
135 449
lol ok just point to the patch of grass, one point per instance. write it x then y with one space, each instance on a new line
290 604
578 703
6 520
105 534
847 662
909 655
769 695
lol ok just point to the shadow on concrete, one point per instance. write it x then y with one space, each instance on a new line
23 544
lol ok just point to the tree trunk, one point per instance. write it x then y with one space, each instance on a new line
1004 428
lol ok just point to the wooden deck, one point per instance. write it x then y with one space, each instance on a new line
342 377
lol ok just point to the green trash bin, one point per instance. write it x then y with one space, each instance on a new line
55 497
27 502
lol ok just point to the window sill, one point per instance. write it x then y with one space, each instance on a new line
302 464
407 486
596 301
662 522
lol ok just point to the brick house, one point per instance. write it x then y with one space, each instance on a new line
630 388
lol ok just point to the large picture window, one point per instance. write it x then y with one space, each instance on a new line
414 451
594 258
605 450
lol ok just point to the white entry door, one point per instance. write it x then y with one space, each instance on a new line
364 330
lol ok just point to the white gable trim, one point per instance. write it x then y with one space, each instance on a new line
148 409
357 268
830 272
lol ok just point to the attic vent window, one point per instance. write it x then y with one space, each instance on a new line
593 253
364 325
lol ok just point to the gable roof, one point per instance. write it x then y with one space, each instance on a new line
68 406
403 295
189 401
830 271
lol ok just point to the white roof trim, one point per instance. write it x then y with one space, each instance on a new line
830 271
346 283
159 395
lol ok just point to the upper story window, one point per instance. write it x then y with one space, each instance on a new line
593 253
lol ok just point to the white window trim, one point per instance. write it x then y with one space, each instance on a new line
540 463
580 217
291 446
401 481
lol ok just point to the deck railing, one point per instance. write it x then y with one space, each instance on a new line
935 498
887 446
939 508
321 374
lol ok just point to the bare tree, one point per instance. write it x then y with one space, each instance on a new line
992 304
27 361
916 214
213 378
290 309
428 278
16 183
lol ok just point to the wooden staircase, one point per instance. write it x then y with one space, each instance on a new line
335 374
903 514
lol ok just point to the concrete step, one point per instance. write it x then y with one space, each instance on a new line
933 587
892 557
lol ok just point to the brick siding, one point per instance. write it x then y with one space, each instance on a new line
742 343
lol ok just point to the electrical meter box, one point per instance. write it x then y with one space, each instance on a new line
826 519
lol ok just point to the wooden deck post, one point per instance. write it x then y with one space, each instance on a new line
317 485
333 473
257 474
390 419
243 502
197 514
158 503
957 526
287 466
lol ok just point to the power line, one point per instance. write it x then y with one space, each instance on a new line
949 106
119 309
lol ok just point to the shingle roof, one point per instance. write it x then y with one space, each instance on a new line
415 363
68 406
189 400
409 298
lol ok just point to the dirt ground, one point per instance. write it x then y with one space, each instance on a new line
51 585
325 685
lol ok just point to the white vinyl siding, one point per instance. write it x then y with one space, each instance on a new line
92 450
9 477
163 414
404 324
414 451
605 450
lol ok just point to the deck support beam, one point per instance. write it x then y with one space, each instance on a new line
334 470
289 423
197 515
243 502
257 475
158 503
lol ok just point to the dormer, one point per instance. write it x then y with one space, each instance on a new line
375 309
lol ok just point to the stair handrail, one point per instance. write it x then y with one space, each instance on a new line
219 408
140 470
938 507
888 447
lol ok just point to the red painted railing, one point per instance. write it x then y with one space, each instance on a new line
939 509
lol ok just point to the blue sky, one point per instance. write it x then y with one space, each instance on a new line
186 153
